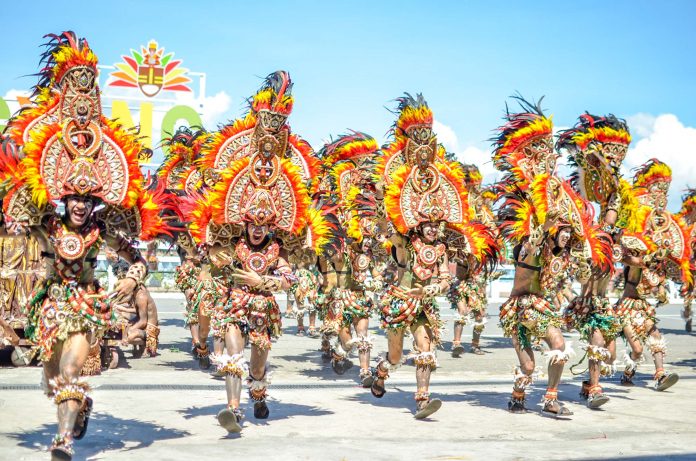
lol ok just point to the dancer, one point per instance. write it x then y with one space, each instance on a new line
688 214
250 220
545 219
68 310
421 194
350 273
467 294
596 147
657 248
180 175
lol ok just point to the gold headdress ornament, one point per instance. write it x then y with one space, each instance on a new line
524 146
413 138
533 194
420 185
82 152
596 146
264 130
69 148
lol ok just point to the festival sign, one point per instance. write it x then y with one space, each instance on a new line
151 71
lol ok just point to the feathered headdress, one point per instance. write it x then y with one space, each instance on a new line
412 112
263 128
355 146
594 129
523 142
472 175
412 138
651 172
419 185
180 152
275 94
688 205
70 148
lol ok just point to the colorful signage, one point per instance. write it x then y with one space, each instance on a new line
151 71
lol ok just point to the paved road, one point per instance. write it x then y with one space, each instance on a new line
164 408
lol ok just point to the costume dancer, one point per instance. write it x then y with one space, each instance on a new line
688 214
350 273
250 220
657 248
596 147
546 220
467 294
71 153
421 194
180 175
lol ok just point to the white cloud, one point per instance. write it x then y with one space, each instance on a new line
641 124
446 136
212 108
469 154
666 138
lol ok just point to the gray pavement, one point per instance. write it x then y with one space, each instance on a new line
164 408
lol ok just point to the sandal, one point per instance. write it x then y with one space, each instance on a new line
425 408
596 400
261 410
62 448
80 428
230 419
366 378
555 409
457 349
475 349
377 389
516 406
666 381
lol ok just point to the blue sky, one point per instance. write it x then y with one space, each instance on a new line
350 59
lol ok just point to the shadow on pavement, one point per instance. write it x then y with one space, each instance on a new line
685 363
279 410
678 332
397 398
167 322
105 433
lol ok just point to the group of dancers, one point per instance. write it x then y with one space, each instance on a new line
354 231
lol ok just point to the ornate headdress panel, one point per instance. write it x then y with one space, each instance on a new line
414 142
263 130
70 148
670 233
548 197
262 192
596 146
651 183
420 186
418 195
82 152
524 146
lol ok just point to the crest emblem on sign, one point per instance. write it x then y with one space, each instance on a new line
150 70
